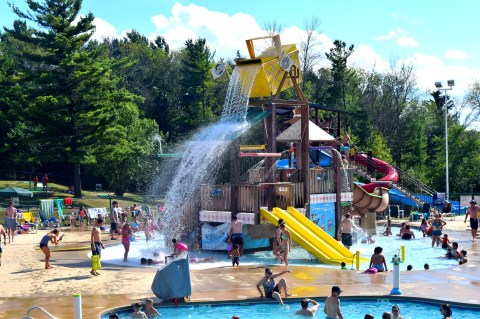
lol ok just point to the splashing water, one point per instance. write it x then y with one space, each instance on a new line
158 139
202 155
238 93
344 167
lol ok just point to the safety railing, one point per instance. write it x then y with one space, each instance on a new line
48 314
407 184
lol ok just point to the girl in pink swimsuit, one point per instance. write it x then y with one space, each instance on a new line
126 234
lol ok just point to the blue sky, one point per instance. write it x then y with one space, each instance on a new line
437 37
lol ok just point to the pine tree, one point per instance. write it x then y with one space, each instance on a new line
68 98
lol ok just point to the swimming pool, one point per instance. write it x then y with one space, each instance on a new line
351 309
418 252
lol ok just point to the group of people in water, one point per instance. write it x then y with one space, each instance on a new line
272 284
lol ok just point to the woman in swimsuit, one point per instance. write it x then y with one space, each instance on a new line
285 243
437 226
408 233
278 251
272 289
50 237
126 234
378 260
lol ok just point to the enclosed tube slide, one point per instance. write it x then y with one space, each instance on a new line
391 174
377 201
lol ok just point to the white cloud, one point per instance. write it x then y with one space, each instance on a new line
406 41
455 54
365 57
389 36
103 30
430 68
227 33
400 37
224 33
396 16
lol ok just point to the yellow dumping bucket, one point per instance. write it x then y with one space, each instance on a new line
269 74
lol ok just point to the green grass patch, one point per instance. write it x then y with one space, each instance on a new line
90 198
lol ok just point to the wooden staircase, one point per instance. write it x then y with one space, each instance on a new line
408 185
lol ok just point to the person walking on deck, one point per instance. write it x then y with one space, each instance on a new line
472 211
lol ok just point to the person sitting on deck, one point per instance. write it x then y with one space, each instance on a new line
271 288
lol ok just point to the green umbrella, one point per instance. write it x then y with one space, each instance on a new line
15 192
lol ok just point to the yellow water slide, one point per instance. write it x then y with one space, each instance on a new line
311 237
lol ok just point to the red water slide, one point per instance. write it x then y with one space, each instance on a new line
391 174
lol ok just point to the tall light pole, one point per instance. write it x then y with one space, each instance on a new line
438 85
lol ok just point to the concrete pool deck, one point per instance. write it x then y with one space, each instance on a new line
25 283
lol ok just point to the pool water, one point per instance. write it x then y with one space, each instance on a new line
417 252
351 309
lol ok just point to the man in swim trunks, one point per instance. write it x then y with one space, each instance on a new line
305 311
114 219
96 242
236 233
11 221
346 228
332 305
472 211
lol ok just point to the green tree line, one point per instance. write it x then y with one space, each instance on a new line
99 106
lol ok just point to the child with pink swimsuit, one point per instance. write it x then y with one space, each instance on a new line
126 234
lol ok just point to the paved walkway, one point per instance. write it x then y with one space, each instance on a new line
24 283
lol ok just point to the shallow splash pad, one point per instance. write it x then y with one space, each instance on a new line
418 252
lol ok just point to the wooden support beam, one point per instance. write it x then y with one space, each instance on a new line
304 166
234 175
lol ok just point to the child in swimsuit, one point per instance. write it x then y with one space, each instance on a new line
424 226
445 241
449 253
378 260
235 255
126 234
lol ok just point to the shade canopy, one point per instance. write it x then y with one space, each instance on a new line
293 133
15 192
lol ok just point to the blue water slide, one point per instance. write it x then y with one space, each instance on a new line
398 197
324 161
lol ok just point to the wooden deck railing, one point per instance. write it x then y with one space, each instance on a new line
254 196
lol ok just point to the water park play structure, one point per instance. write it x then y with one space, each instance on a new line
296 174
312 182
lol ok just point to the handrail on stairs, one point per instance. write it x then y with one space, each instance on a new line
27 316
405 183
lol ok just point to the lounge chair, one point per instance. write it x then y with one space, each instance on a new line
47 222
28 219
